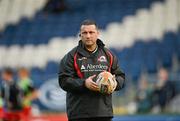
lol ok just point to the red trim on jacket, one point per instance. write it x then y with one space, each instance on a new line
76 67
111 61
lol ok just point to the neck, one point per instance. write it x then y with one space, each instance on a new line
91 48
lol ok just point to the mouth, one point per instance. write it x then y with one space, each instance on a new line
88 40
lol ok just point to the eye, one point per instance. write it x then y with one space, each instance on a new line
91 32
84 32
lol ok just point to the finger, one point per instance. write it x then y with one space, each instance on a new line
94 83
115 85
91 77
114 77
95 88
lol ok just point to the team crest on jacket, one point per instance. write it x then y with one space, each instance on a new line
102 59
83 67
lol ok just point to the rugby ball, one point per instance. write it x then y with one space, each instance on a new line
105 81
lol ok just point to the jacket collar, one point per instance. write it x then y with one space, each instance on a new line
81 48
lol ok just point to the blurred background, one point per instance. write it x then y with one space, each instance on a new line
144 35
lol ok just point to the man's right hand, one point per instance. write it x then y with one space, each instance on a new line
90 84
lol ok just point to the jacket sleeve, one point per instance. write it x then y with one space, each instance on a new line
120 76
68 79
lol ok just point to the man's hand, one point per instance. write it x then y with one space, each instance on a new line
90 84
115 83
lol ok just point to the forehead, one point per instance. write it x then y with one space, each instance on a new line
88 28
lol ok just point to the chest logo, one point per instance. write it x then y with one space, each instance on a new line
102 59
83 67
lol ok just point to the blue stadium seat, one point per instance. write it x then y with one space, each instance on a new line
106 12
52 68
44 26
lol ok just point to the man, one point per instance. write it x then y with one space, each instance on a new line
164 89
29 92
11 95
144 96
77 76
1 107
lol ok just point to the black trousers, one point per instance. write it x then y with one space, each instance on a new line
93 119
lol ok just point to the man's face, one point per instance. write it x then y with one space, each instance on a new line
6 76
163 75
22 74
89 34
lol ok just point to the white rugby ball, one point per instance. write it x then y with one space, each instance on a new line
105 81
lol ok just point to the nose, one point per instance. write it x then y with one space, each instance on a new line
87 35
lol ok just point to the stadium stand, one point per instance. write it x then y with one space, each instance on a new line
145 35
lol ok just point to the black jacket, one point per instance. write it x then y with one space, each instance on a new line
12 96
81 102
